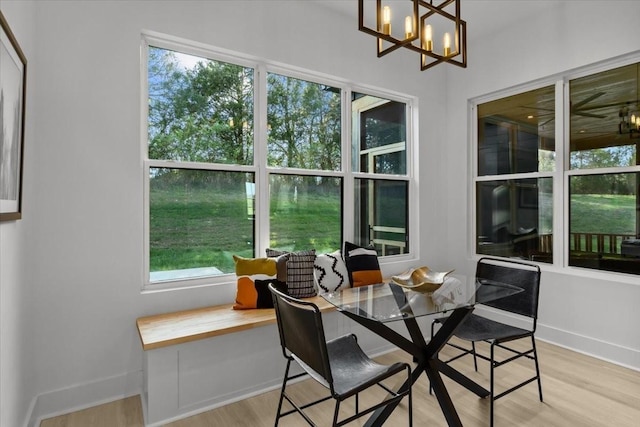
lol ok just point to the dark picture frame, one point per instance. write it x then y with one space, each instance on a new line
528 196
13 80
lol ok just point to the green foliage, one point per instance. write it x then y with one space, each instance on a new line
624 155
203 114
620 183
304 124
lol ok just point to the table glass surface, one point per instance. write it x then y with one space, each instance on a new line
387 302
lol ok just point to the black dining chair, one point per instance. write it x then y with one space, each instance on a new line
523 305
340 365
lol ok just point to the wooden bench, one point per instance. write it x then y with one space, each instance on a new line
179 327
178 354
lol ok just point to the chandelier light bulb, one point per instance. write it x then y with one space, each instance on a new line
386 20
447 44
408 27
427 39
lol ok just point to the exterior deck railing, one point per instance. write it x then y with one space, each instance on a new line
603 243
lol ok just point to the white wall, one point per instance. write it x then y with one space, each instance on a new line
587 310
89 210
84 236
17 382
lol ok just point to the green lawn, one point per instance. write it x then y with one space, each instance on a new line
203 228
598 213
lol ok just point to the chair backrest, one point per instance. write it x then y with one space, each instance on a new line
520 274
301 332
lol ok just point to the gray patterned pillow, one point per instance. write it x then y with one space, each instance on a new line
331 272
299 279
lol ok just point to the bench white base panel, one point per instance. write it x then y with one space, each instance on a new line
186 379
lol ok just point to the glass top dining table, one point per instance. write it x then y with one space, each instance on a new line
376 306
387 302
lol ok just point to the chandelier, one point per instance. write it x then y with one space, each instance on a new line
629 123
435 31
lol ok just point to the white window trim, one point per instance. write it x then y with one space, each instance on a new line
261 67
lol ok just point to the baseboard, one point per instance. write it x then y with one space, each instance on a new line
216 403
82 396
600 349
603 350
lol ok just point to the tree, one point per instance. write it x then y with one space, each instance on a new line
205 114
202 114
618 183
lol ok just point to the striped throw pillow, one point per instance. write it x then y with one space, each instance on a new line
299 279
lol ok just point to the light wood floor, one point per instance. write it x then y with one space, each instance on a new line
578 391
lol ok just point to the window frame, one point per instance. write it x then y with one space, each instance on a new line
562 170
262 67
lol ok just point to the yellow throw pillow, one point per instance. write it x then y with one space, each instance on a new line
254 276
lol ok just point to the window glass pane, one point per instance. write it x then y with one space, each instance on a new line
517 134
199 110
605 222
379 135
515 218
304 124
197 220
306 213
605 119
382 215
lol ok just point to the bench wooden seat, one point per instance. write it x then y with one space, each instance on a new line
167 329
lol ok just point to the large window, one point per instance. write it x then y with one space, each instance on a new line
243 156
604 201
380 158
515 164
599 184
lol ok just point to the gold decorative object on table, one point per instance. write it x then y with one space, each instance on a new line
421 279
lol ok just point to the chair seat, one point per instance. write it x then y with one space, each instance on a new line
352 370
478 328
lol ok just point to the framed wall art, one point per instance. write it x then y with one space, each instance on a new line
13 79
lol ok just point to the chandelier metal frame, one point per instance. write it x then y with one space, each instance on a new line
423 13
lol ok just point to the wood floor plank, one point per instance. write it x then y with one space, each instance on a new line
578 391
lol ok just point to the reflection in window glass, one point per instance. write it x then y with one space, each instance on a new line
516 134
304 124
604 215
200 110
605 119
382 215
197 220
379 135
305 212
515 218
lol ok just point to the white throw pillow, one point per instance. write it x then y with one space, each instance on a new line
330 272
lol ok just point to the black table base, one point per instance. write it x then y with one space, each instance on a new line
426 357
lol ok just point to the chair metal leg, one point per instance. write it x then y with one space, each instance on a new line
411 400
284 384
475 359
491 390
335 413
535 359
